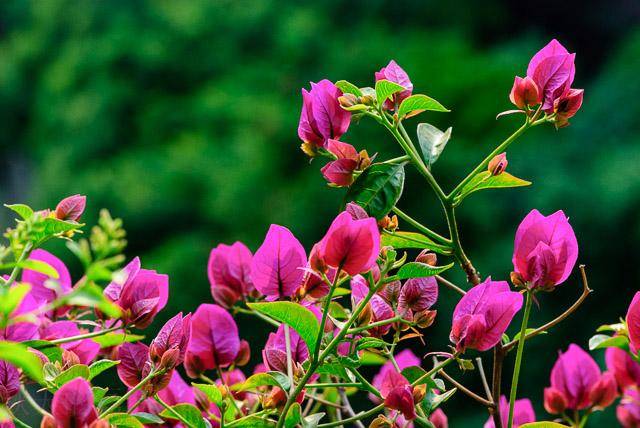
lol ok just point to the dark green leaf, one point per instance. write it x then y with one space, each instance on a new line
98 394
378 188
348 88
421 270
385 89
371 342
335 369
113 339
401 240
294 416
75 371
484 180
418 103
99 366
24 211
18 355
296 316
148 418
211 391
188 412
432 141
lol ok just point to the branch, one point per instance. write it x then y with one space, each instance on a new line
466 391
347 407
451 285
585 292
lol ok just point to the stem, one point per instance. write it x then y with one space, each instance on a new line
16 270
466 390
498 360
451 285
419 226
483 377
367 385
458 252
137 403
177 415
32 402
334 385
376 324
435 369
325 313
516 370
357 417
259 315
585 292
399 159
347 407
129 393
287 341
85 335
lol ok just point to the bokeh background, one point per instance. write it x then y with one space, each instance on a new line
181 118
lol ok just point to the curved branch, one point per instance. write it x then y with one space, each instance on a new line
466 390
451 285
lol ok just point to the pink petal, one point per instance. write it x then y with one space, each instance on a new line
73 404
133 357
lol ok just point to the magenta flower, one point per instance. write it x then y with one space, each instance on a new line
439 419
22 331
398 394
322 117
394 73
628 411
553 70
72 405
525 92
633 323
572 377
545 250
229 271
404 359
567 106
133 358
351 245
483 315
522 413
604 392
274 354
170 345
140 293
340 171
624 368
214 340
418 294
380 309
71 207
85 349
45 289
277 269
9 381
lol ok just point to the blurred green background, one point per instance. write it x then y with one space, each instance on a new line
181 118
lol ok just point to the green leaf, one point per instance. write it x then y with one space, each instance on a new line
529 330
337 311
484 180
123 420
416 104
39 266
602 341
378 188
98 394
148 418
372 359
90 295
251 421
371 342
11 297
401 240
432 400
263 379
312 421
113 339
18 355
75 371
188 412
413 373
107 401
385 89
335 369
348 88
22 210
294 416
99 366
612 327
296 316
421 270
211 391
432 141
543 424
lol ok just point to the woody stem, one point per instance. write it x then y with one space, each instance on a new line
516 370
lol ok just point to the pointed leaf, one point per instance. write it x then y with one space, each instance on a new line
262 379
18 355
421 270
188 412
418 103
148 418
402 240
294 416
485 180
123 420
39 266
312 421
211 391
378 188
348 88
432 141
113 339
51 351
385 89
22 210
78 370
11 297
99 366
602 341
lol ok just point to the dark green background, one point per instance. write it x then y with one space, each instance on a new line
181 117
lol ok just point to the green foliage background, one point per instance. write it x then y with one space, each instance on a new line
181 117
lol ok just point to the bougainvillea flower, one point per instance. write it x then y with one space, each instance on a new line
418 294
132 357
22 331
356 211
572 376
351 245
604 392
45 289
72 405
394 73
628 411
71 207
633 323
404 359
214 340
552 69
439 419
170 345
380 309
522 413
9 381
525 92
567 106
625 369
545 250
274 354
483 314
277 268
322 117
398 394
498 164
140 293
85 349
340 171
229 272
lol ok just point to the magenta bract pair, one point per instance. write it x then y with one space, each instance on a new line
624 368
545 250
322 118
395 388
483 315
576 383
339 172
140 293
72 406
229 272
523 413
170 345
628 411
633 323
9 381
274 354
394 73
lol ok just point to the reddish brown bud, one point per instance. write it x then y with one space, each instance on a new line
554 401
202 402
170 359
276 398
427 258
48 422
364 161
498 164
604 392
71 208
524 92
69 358
309 149
225 296
348 100
381 422
419 392
244 354
316 262
365 316
424 319
356 211
516 279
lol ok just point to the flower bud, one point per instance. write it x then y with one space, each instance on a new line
69 358
365 316
524 92
517 280
424 319
201 400
356 211
364 161
225 296
309 149
381 422
388 223
348 100
71 208
316 262
170 359
100 423
48 422
244 354
498 164
554 401
567 106
427 257
604 391
419 392
366 100
275 399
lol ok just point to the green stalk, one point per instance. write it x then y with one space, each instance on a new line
85 336
419 226
516 370
325 312
176 414
129 393
16 270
